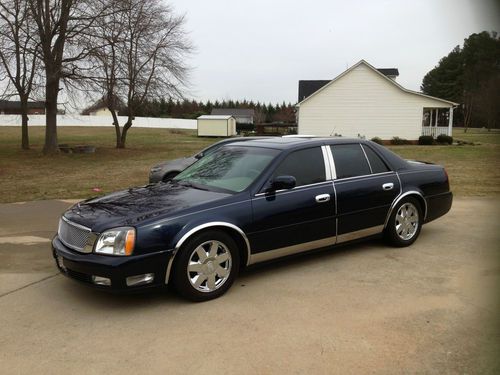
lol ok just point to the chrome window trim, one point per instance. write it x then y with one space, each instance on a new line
364 175
192 231
366 157
296 188
347 179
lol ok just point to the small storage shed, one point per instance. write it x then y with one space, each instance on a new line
216 126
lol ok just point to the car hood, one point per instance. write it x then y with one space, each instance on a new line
136 205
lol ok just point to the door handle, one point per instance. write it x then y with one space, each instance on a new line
322 198
388 186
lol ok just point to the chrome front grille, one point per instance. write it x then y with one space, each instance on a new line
74 236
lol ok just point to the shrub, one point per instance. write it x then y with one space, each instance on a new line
426 140
377 140
399 141
444 139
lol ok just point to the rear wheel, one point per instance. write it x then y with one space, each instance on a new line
405 223
206 266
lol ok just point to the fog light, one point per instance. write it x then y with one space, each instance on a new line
147 278
98 280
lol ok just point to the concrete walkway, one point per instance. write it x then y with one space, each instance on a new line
358 309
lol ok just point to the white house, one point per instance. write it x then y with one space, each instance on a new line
242 116
216 126
366 102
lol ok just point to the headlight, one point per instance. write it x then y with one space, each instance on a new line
117 241
155 169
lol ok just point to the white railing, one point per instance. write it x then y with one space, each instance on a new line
79 120
435 130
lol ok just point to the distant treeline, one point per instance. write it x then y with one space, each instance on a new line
191 109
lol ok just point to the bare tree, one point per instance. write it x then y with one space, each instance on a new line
18 56
140 52
64 33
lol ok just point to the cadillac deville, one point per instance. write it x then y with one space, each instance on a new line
246 203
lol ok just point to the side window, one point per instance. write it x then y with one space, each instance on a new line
377 164
307 166
350 161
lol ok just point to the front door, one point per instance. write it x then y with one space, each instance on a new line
297 219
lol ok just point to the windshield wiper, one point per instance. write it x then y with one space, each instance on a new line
192 185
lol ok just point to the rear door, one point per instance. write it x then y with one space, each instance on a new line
296 219
365 188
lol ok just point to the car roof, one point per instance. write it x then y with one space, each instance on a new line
292 142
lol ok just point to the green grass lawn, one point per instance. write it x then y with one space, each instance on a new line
29 175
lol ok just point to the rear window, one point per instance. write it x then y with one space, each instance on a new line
377 164
350 161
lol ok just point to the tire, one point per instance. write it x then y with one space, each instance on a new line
169 176
405 223
206 266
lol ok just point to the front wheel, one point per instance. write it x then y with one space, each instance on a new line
405 223
206 266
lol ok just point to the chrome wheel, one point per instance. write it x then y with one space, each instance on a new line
209 266
407 221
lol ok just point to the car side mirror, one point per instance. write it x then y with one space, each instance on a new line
283 183
199 155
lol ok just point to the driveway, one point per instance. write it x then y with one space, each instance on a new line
366 308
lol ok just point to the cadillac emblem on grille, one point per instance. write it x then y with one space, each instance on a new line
73 235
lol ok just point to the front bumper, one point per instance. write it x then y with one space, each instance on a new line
81 267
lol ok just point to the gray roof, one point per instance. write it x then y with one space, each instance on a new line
236 112
389 72
309 87
16 104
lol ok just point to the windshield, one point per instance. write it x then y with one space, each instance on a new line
231 168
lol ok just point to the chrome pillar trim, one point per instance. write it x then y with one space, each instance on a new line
360 234
326 160
398 199
332 162
289 250
197 229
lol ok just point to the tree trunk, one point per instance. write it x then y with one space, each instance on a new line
25 141
123 139
51 94
117 127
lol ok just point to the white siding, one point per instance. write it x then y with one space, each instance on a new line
365 103
101 112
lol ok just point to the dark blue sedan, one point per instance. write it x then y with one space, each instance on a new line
247 203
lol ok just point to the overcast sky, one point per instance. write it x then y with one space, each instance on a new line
259 49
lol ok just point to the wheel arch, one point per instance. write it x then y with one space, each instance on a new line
408 194
232 230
